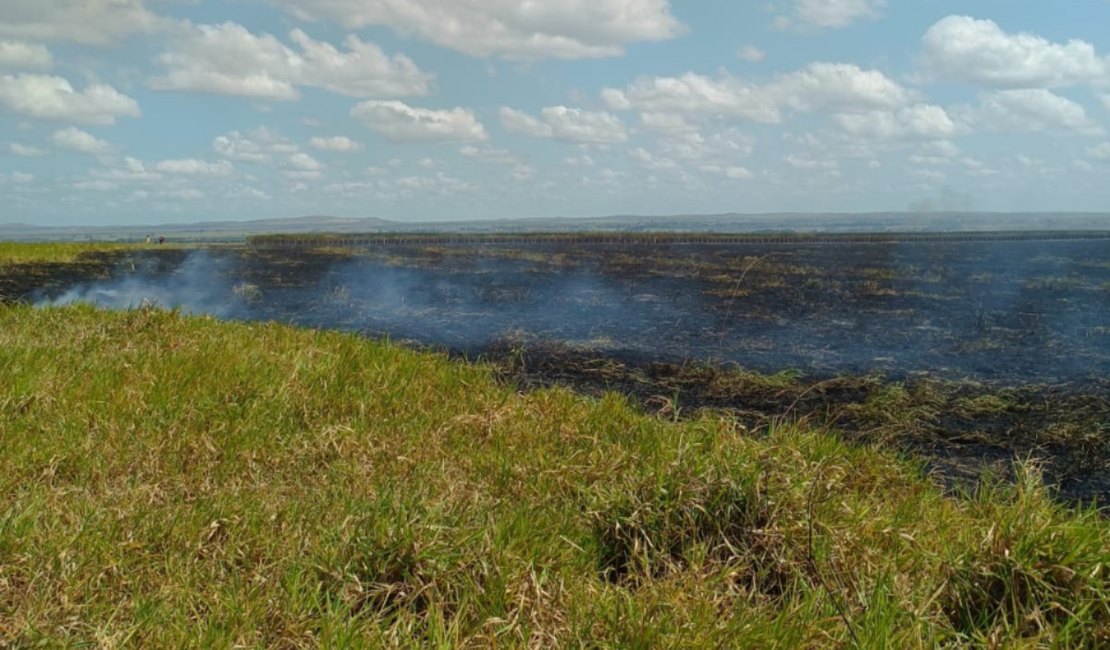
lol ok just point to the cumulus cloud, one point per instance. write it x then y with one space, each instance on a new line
980 52
694 93
721 147
922 121
195 167
74 139
303 162
833 87
510 29
666 123
399 122
567 124
47 97
132 170
649 160
89 22
1032 110
24 56
228 59
339 143
257 146
829 14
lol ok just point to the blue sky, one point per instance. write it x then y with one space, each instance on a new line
154 111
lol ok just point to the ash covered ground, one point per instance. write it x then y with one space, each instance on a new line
1026 312
970 354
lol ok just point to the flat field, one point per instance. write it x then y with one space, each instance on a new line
967 353
186 481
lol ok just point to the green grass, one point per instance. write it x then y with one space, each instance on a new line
12 253
170 481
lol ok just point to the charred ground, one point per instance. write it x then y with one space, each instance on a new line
971 353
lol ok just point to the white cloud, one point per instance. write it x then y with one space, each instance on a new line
132 171
980 52
303 162
839 87
516 121
1105 97
922 121
831 13
399 122
834 87
257 146
195 167
228 59
339 143
47 97
24 150
649 160
751 54
729 171
666 123
73 139
1032 110
567 124
694 93
720 147
90 22
568 29
24 56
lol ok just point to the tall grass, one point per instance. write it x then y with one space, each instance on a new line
170 481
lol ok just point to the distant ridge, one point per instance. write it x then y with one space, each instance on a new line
878 222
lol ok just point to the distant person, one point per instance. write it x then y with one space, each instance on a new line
161 240
148 239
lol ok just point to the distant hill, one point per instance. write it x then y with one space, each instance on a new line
231 231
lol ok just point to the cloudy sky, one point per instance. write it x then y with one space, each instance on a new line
146 111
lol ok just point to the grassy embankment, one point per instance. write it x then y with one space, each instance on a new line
180 481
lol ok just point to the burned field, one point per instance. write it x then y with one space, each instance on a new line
970 353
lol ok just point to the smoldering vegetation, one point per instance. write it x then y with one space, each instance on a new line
1009 312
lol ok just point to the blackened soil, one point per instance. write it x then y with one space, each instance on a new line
963 430
967 354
